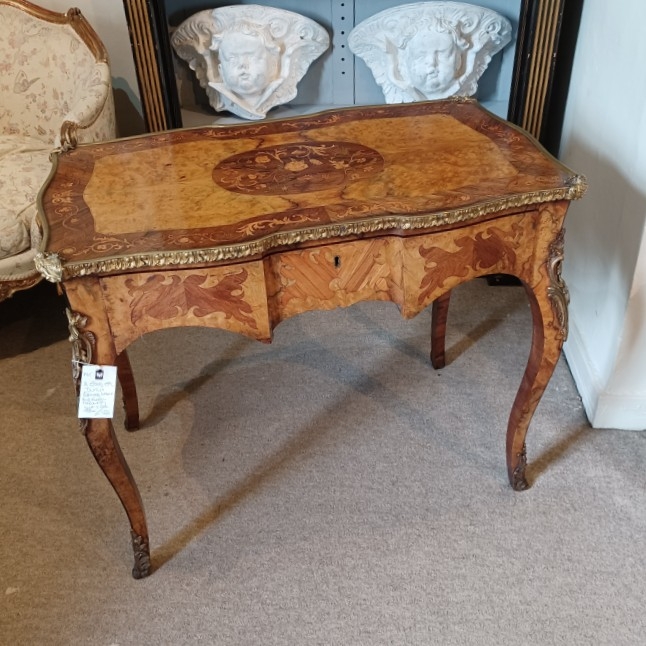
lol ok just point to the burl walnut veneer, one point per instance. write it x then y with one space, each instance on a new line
240 227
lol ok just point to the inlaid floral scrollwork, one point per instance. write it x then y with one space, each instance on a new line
167 297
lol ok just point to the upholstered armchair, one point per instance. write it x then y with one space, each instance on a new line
55 92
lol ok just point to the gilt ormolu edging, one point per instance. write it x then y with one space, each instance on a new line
141 551
82 351
518 479
574 189
557 290
50 266
578 185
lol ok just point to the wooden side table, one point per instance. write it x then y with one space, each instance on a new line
241 227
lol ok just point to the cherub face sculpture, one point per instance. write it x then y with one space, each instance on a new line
432 61
247 64
249 58
429 50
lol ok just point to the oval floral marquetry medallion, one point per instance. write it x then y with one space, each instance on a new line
297 168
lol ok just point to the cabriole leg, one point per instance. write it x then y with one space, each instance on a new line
103 443
439 315
107 452
544 354
549 303
128 391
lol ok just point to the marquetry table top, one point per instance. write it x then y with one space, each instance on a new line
221 193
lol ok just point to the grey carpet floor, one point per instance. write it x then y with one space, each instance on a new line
329 488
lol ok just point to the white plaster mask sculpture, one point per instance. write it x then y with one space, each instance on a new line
249 58
429 50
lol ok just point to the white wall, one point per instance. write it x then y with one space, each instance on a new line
604 137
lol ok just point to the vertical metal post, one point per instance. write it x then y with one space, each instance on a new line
342 58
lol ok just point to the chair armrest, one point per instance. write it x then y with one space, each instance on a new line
88 106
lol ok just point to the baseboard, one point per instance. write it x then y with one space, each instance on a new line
604 410
585 377
622 412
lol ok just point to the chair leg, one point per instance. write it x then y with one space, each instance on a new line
129 391
439 315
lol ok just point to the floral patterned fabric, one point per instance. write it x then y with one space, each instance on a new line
47 76
24 167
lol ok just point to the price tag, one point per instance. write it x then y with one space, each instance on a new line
98 389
